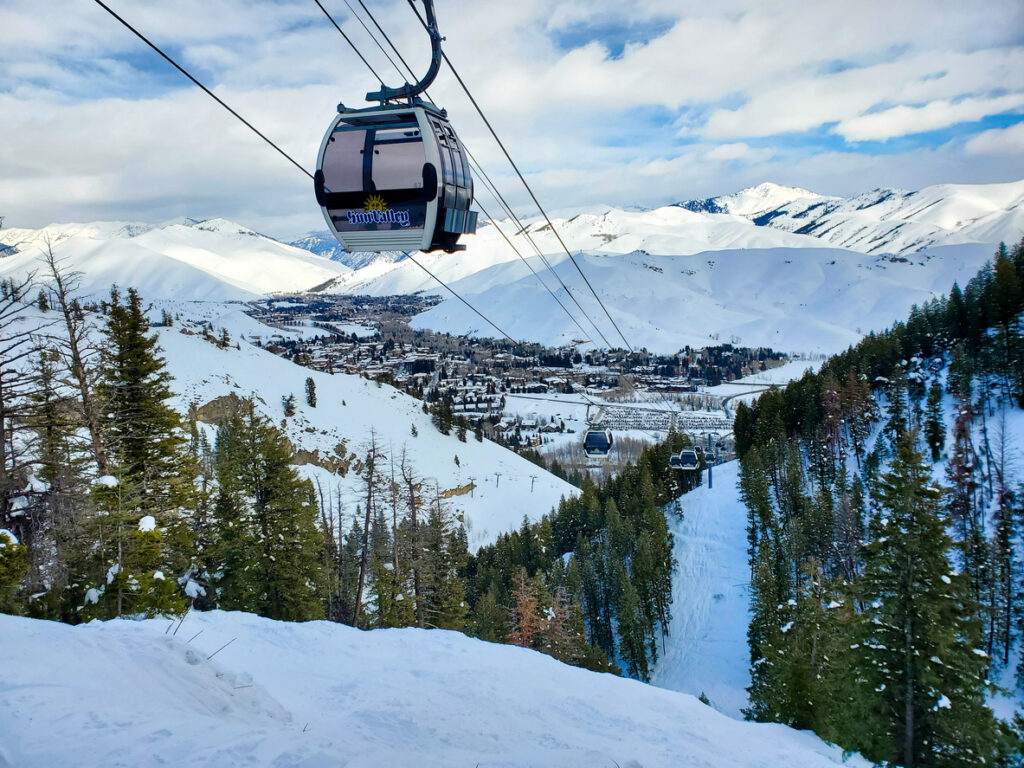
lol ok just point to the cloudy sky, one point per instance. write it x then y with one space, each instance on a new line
623 103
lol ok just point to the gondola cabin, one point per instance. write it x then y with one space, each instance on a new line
395 178
687 459
597 441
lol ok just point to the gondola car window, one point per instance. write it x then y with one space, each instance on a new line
397 160
342 174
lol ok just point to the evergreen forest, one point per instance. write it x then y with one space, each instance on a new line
885 533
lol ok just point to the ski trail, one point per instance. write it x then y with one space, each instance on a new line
706 648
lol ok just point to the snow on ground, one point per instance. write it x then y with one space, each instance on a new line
124 693
807 299
348 409
750 387
706 649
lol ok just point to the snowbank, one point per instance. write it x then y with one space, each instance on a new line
321 694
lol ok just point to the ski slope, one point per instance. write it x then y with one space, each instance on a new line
124 693
706 649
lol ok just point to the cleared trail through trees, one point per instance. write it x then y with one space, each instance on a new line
706 650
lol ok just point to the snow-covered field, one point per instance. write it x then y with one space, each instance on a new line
126 693
706 650
750 387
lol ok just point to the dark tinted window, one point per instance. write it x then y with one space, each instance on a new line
343 160
398 158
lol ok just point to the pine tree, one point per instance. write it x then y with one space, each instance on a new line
920 669
896 409
269 547
490 619
148 496
445 551
59 566
288 404
526 620
310 392
631 629
768 607
13 566
935 427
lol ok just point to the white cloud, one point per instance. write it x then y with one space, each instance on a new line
739 151
903 120
805 103
998 141
728 151
92 125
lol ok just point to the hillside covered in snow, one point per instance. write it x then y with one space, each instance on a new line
489 487
769 265
188 260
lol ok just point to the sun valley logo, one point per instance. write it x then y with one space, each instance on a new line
375 211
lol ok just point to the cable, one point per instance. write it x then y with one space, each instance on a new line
457 296
381 47
527 263
529 238
525 184
289 157
476 165
347 40
507 208
209 93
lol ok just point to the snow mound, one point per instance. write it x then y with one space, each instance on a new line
319 694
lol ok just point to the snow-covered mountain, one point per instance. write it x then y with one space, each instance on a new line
324 694
883 221
751 201
211 260
772 265
812 299
325 244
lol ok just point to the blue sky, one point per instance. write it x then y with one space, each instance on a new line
599 102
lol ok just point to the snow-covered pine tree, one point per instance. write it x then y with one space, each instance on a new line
919 668
64 464
146 499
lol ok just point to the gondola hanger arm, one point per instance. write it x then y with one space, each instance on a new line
411 91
